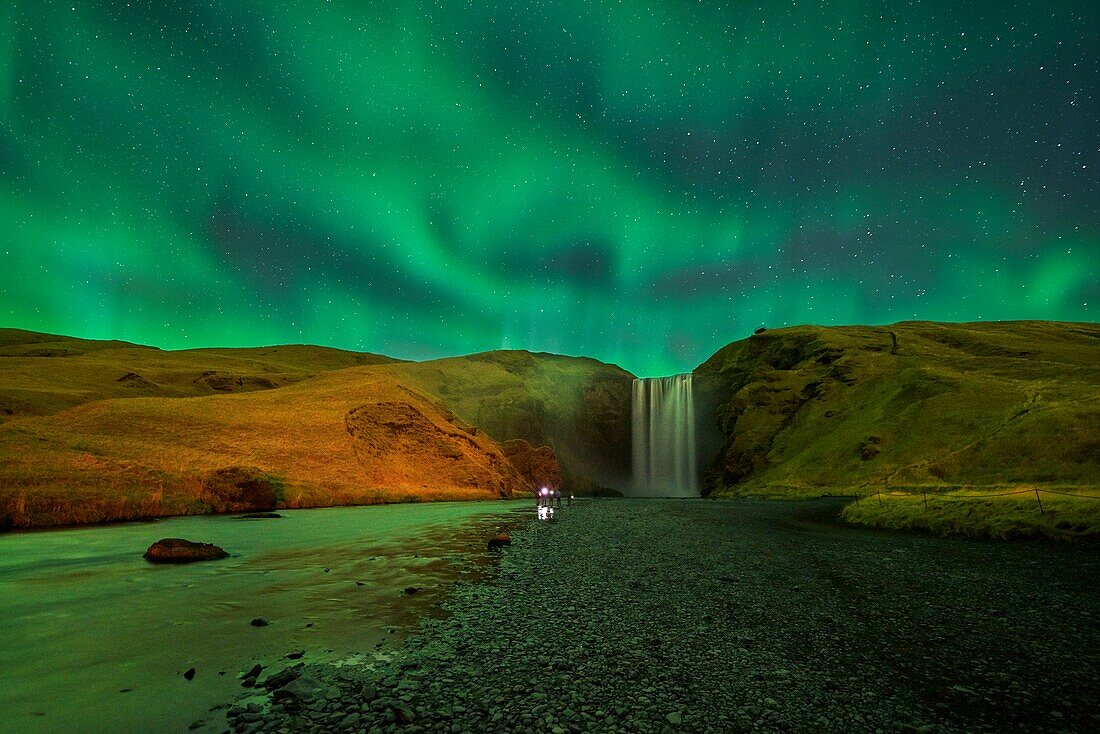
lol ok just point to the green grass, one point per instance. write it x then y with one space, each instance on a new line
974 514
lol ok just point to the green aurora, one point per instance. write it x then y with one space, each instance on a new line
640 182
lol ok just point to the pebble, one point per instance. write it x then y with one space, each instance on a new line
612 620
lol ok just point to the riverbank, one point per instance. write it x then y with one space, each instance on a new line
96 639
668 616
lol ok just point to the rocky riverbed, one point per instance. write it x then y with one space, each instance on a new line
669 616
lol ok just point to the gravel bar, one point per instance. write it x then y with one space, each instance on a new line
728 616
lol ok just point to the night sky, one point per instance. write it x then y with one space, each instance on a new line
640 182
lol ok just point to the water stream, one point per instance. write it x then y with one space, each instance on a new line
95 639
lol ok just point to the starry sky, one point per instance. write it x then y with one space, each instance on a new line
639 181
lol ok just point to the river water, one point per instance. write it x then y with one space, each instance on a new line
95 639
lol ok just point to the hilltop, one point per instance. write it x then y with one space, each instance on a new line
42 374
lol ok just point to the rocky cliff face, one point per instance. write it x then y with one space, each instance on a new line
579 407
915 403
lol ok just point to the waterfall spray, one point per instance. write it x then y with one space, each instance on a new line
663 449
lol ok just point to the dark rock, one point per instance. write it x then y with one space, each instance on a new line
281 679
190 674
260 516
178 550
761 330
302 687
499 542
239 489
869 449
538 465
259 622
410 590
403 713
253 672
296 655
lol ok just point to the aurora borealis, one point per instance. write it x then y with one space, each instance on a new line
640 182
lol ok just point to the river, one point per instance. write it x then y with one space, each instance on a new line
94 639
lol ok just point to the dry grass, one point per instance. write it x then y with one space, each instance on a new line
148 457
42 374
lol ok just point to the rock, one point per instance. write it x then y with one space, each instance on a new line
410 590
239 489
259 622
260 516
281 679
538 465
178 550
253 672
674 718
303 687
403 713
190 674
499 542
296 655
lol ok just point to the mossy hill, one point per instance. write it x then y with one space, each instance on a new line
851 410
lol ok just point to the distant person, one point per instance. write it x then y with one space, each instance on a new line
557 498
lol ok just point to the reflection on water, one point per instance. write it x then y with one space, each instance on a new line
94 638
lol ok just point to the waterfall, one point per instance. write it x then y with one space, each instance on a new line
663 449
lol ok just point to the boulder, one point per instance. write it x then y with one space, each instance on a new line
239 489
178 550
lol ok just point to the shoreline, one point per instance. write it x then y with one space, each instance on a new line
616 619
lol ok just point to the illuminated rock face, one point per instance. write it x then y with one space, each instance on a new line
663 437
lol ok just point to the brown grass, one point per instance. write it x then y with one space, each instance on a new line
149 457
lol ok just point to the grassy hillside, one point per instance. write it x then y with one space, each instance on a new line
352 436
580 407
42 374
915 406
97 431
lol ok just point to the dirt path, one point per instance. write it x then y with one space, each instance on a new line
668 616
